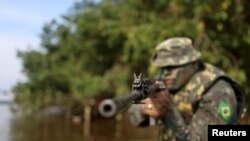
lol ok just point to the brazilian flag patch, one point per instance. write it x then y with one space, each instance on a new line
225 110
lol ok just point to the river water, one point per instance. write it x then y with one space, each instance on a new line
36 128
14 127
5 120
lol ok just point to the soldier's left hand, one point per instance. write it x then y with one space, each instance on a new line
157 104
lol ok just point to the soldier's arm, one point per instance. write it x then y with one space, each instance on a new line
154 107
137 117
218 106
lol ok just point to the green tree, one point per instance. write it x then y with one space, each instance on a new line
98 46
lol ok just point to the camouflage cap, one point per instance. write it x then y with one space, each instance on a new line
174 52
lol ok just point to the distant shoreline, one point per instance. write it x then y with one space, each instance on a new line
5 102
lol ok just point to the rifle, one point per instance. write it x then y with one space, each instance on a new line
140 90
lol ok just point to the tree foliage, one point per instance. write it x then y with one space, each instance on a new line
99 45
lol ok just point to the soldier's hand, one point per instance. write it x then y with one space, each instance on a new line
157 104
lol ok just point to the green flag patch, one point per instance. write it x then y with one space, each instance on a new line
225 110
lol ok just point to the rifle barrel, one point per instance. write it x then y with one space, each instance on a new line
109 107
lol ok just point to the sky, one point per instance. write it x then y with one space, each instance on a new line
21 23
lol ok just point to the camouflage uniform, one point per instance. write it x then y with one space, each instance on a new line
210 97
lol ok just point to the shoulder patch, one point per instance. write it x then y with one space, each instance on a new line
225 110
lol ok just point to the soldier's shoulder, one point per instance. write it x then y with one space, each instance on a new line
220 88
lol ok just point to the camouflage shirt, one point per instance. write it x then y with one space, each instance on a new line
206 99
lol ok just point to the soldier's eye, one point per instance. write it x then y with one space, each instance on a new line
169 68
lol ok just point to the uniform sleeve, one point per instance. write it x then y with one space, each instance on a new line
137 117
218 106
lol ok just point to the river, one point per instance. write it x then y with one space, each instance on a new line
5 120
36 128
39 128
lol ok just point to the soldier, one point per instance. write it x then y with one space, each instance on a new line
198 94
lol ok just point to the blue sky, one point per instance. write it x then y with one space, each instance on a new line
21 23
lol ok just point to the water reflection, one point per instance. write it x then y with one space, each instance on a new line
44 129
53 128
5 122
120 129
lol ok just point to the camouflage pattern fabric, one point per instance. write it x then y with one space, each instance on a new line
194 109
198 105
174 52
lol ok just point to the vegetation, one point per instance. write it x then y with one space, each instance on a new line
99 45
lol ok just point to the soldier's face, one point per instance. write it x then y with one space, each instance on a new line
176 77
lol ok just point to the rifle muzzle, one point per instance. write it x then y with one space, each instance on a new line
107 108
